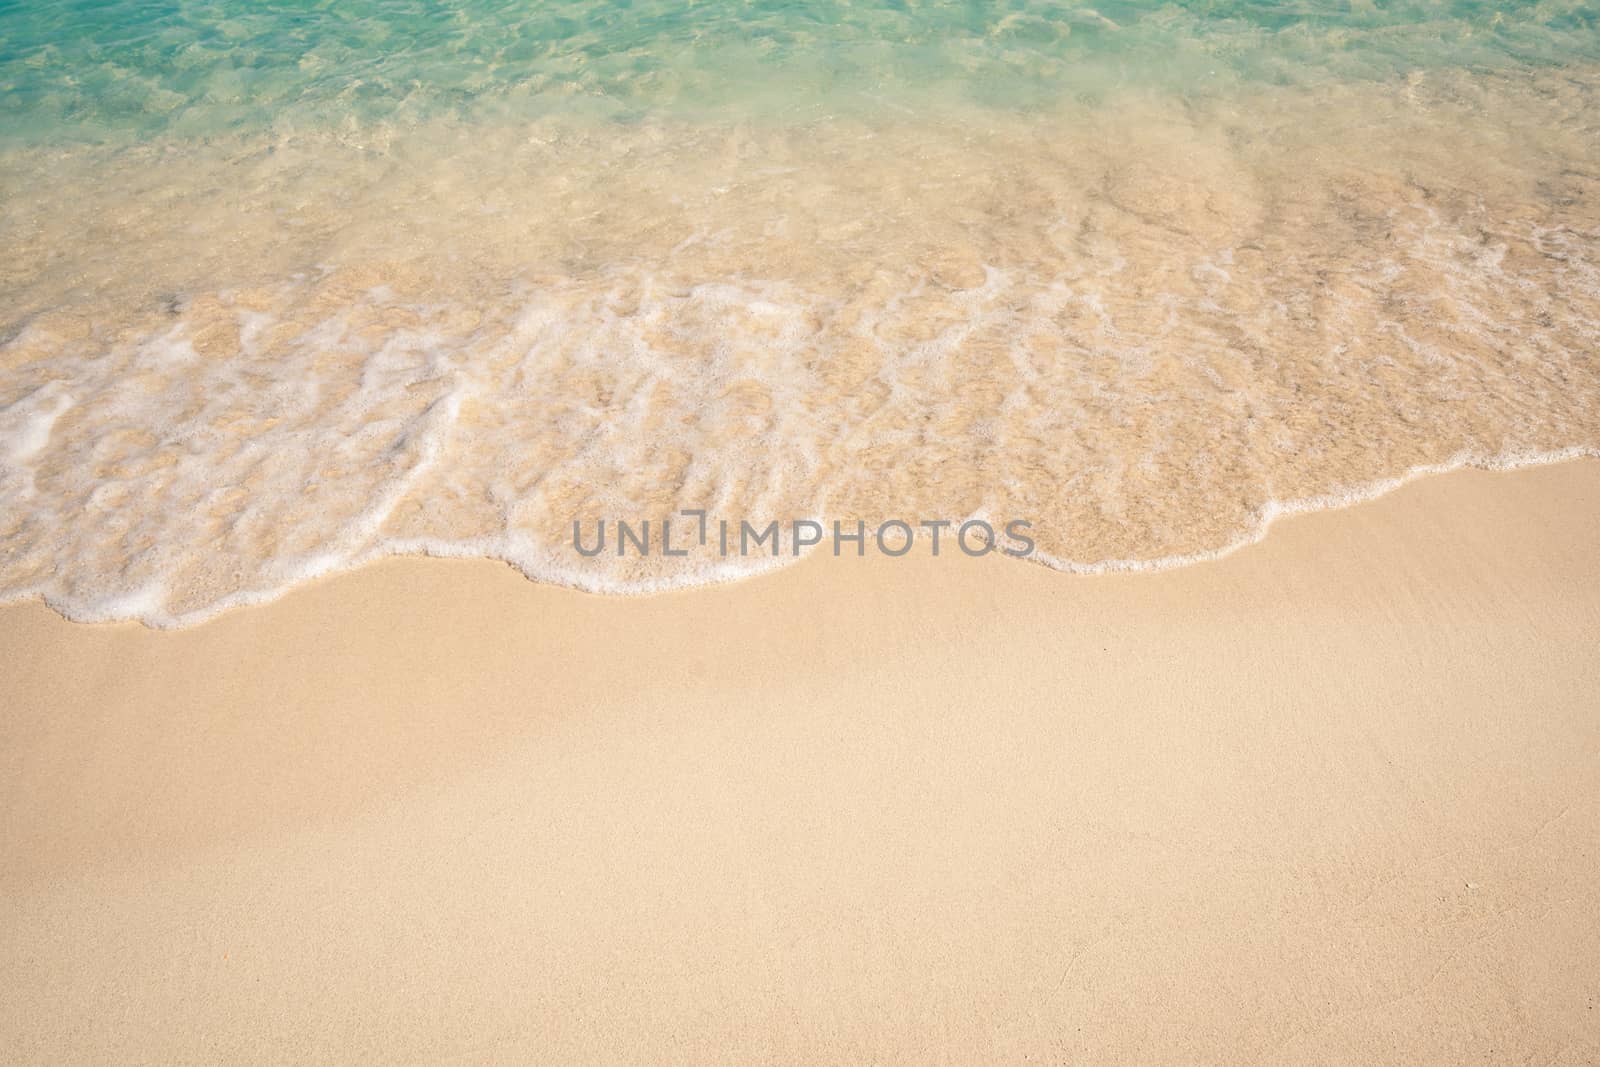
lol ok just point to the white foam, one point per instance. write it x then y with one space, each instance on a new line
1333 501
25 429
1146 339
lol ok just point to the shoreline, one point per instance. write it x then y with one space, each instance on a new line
1133 324
726 572
1331 799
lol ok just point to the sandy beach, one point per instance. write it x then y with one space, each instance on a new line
1332 799
336 339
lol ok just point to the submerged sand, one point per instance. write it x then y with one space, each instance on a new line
1333 799
1140 323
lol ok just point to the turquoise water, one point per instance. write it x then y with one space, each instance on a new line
117 68
290 286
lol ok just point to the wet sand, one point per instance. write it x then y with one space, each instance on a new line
1332 799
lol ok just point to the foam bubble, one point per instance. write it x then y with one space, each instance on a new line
1150 328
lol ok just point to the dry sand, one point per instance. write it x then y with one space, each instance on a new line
1333 799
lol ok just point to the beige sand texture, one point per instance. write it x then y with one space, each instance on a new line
1333 799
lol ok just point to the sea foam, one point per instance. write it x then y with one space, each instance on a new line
1149 327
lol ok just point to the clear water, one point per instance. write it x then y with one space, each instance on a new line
97 69
289 286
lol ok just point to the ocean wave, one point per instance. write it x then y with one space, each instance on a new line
1149 328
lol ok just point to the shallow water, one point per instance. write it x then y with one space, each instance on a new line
290 286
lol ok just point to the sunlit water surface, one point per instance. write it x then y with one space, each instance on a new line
287 286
